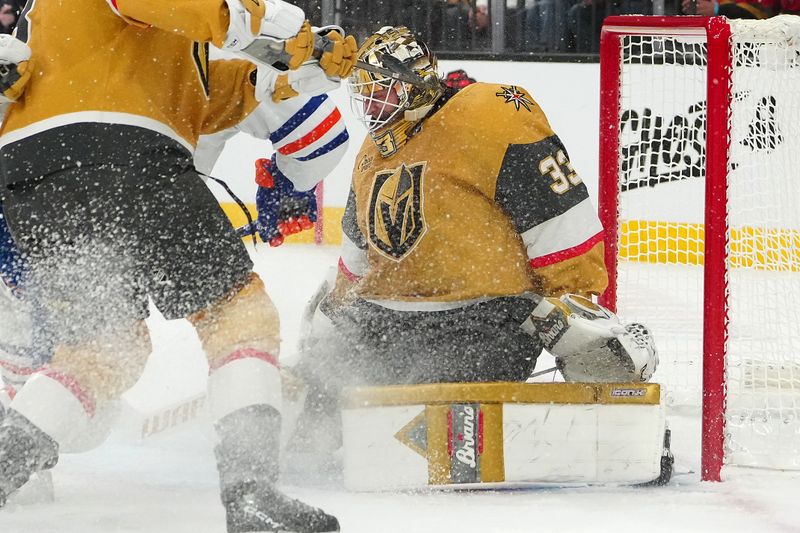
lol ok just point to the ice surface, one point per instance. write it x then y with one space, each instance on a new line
167 482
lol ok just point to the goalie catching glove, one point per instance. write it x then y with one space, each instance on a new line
15 68
282 210
589 342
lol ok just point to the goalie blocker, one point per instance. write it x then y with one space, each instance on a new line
471 434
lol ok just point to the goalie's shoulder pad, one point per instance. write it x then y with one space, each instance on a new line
507 113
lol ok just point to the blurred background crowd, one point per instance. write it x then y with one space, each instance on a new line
513 28
516 27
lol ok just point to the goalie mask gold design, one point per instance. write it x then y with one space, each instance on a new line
400 89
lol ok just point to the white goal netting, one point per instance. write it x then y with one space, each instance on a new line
662 158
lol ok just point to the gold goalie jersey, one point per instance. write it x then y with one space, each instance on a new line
482 202
140 63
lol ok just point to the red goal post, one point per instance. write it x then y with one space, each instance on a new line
691 240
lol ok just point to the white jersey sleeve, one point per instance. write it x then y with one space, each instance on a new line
209 148
307 132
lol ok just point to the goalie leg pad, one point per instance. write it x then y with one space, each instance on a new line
470 434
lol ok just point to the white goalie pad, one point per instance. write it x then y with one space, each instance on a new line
482 435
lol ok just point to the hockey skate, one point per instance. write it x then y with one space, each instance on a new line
24 451
251 508
667 464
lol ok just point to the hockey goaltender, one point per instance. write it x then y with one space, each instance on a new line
470 246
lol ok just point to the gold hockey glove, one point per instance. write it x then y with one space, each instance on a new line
13 79
300 48
339 56
15 67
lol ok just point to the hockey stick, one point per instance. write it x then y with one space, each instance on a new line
247 230
543 372
398 71
171 416
272 52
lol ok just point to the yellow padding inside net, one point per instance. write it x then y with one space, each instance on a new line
650 241
331 230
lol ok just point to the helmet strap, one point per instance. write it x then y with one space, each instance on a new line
413 115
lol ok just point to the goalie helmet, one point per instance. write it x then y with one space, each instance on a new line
398 91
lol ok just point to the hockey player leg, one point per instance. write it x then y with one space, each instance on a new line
15 344
314 387
58 407
240 335
24 450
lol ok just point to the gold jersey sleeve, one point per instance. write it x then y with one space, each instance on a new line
230 98
583 274
197 20
93 66
442 217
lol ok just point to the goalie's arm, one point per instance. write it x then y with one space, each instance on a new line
590 343
353 258
548 203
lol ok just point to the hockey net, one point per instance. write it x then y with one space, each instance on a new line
699 159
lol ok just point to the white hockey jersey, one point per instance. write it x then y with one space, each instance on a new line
307 132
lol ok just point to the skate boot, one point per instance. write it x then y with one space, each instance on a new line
24 450
252 507
667 464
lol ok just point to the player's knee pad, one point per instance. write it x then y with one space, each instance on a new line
106 366
64 411
73 399
241 337
245 317
590 343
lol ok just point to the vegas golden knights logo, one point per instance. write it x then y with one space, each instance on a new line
395 220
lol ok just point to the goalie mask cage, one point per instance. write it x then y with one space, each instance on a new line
700 201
